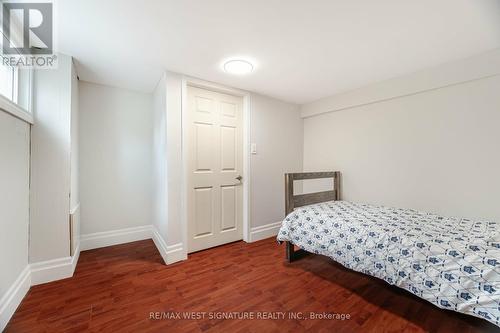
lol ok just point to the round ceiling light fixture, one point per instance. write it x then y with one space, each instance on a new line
238 67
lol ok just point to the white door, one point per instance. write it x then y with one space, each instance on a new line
215 165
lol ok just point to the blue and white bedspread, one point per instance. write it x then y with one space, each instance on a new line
451 262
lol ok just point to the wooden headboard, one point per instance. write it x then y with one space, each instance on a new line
293 201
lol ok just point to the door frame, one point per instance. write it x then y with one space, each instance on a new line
198 83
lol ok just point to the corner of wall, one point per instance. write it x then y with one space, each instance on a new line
53 270
448 74
34 274
170 253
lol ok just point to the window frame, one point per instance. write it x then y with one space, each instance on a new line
10 105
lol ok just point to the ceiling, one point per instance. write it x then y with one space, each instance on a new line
303 49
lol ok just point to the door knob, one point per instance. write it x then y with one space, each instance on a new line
239 178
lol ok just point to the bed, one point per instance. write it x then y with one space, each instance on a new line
453 263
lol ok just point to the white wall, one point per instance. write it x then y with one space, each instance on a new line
160 211
14 202
116 158
168 232
175 230
168 229
38 171
277 129
435 150
124 133
50 163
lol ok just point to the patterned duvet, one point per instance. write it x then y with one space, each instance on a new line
451 262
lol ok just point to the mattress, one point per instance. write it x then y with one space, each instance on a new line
452 262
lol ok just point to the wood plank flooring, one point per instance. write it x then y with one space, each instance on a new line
115 289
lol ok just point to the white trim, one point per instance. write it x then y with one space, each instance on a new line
212 86
160 244
15 110
74 259
33 274
175 253
247 107
184 192
62 268
190 81
114 237
264 231
15 85
13 297
73 211
170 254
442 76
55 269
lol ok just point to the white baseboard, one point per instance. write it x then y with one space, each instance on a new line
264 231
175 253
55 269
33 274
114 237
74 259
170 254
13 297
160 244
62 268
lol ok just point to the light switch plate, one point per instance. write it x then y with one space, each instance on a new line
253 148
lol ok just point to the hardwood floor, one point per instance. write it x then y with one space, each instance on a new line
116 289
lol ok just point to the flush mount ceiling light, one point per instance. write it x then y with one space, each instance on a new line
238 67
